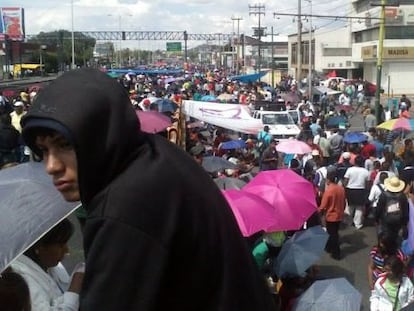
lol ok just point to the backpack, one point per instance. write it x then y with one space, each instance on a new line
392 211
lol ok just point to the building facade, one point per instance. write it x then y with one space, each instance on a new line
352 51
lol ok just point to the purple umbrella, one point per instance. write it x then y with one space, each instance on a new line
153 121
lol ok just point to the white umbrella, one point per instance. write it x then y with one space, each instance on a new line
329 295
30 206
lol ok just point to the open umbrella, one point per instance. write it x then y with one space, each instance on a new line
293 146
215 164
292 195
226 183
329 295
355 137
398 124
30 206
336 121
291 97
346 108
35 87
170 80
164 105
233 144
153 121
301 251
252 213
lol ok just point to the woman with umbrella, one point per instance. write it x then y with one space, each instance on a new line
49 283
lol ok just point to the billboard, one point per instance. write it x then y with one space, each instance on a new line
12 23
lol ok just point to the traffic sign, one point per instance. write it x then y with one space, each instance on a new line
174 47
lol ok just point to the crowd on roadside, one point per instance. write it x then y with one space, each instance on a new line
353 181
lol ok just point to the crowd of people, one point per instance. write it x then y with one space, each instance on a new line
353 183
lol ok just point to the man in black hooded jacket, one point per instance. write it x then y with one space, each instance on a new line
158 235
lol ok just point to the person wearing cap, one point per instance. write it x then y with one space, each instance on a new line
392 208
17 115
197 152
158 234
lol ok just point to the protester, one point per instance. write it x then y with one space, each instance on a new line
356 181
159 234
270 157
9 141
332 209
393 290
14 292
387 246
392 208
50 286
375 192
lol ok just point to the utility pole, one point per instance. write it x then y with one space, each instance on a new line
258 9
273 62
238 19
73 66
382 4
299 43
310 56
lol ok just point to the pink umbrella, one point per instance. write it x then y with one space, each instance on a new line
252 213
293 146
291 195
153 121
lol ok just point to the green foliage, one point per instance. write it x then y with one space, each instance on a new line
59 47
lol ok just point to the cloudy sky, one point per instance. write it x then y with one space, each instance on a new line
195 16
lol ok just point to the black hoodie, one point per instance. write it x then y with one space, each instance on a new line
159 235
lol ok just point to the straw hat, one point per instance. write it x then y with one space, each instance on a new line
394 184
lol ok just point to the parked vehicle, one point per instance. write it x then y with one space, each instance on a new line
281 124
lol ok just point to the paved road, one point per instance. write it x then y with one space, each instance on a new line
355 246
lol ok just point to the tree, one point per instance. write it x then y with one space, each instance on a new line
59 45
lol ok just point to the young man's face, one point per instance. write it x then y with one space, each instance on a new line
60 161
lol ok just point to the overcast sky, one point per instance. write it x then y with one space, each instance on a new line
195 16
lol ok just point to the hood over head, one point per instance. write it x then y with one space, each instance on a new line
94 113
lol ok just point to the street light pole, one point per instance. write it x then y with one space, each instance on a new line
73 38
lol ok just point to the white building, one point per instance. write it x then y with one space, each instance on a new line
398 52
352 51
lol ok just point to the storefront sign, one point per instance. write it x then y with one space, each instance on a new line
368 52
400 52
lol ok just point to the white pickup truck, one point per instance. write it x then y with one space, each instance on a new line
281 124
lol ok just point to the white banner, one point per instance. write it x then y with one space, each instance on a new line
234 117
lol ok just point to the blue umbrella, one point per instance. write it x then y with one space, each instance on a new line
301 251
330 295
233 144
214 164
336 121
355 137
208 98
164 105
